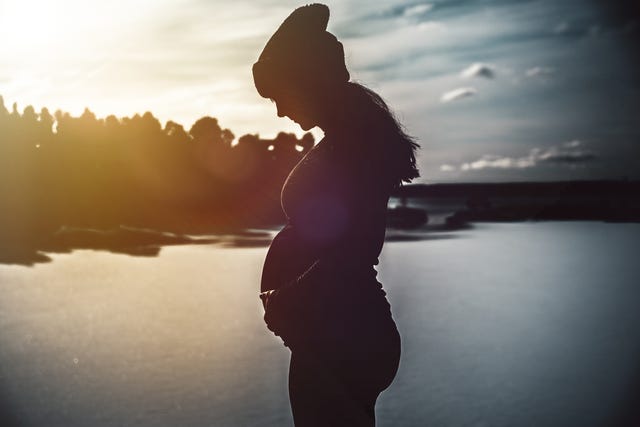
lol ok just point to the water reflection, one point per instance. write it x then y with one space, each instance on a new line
503 325
124 240
148 243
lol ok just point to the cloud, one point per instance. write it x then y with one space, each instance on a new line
568 153
539 72
479 69
561 27
418 9
459 93
447 168
573 144
498 162
431 26
594 31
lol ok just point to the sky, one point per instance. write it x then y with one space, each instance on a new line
493 90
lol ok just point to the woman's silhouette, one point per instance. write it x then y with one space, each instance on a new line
319 285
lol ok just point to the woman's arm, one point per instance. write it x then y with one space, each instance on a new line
289 310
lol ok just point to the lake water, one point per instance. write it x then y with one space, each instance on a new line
529 324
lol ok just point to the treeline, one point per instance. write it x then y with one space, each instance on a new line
85 171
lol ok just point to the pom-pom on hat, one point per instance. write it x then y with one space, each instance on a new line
301 52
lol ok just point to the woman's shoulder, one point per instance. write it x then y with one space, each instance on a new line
358 150
344 157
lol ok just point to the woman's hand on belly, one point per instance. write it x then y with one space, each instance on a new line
281 313
264 297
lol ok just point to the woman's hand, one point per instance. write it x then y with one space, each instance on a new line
272 316
264 297
280 313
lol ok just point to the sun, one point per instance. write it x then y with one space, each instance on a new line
62 28
26 26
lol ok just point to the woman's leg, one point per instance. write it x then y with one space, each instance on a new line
336 377
324 393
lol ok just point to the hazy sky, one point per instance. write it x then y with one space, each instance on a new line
494 90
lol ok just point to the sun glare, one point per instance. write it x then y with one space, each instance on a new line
57 53
28 25
65 27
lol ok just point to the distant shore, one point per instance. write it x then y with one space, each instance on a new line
465 204
614 200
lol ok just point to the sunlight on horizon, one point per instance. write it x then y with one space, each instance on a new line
67 29
125 58
56 47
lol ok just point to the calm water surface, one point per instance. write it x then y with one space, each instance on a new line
531 324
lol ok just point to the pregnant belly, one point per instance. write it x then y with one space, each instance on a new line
288 257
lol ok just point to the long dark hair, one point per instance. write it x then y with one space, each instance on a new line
384 136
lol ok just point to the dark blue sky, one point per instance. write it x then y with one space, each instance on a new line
508 90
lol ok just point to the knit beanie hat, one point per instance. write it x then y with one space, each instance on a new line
301 53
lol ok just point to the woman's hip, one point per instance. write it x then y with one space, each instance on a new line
367 348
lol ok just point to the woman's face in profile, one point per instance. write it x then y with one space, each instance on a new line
293 105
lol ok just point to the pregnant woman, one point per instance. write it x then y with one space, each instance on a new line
319 285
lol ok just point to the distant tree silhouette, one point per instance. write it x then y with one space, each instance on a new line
59 170
3 110
175 132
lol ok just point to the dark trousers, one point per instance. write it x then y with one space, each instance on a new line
338 386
